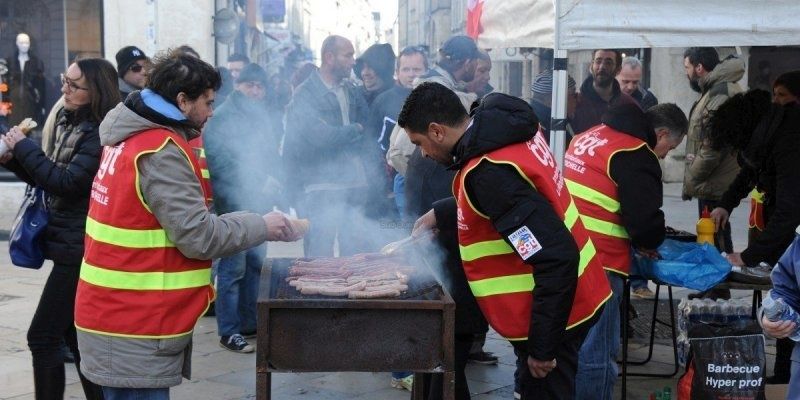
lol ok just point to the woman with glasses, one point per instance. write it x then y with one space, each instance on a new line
90 90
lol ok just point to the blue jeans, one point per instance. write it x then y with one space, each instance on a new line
638 283
112 393
400 195
237 291
597 361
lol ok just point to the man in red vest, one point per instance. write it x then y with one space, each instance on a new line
613 174
150 237
527 257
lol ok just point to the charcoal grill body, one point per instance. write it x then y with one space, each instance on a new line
321 334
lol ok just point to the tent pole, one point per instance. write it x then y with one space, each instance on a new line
558 123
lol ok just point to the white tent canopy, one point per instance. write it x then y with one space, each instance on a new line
590 24
564 25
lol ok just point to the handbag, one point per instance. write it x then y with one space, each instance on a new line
24 243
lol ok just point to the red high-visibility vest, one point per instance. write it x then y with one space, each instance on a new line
134 282
497 274
586 170
200 153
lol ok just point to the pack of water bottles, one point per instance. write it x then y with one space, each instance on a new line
708 311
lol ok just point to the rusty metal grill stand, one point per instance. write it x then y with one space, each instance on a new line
337 335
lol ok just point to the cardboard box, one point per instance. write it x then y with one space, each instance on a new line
776 392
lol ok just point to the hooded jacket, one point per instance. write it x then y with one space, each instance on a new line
242 142
638 177
709 171
174 195
770 163
380 58
511 202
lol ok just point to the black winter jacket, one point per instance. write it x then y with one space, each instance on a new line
771 164
67 177
499 192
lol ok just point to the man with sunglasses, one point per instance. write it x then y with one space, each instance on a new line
131 63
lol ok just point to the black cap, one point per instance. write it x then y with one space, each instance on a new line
460 47
126 56
252 73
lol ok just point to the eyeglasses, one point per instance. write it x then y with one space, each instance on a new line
136 68
71 86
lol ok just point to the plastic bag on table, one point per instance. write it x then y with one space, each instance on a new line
690 265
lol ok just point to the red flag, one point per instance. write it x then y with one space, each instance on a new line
474 11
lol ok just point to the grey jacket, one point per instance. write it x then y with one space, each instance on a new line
709 172
173 192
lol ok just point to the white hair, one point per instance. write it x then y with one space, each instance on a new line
632 62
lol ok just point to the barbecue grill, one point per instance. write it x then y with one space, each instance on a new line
314 333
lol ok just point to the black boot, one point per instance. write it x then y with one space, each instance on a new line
49 383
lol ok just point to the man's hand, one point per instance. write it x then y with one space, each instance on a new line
735 259
720 216
777 329
424 224
279 228
540 369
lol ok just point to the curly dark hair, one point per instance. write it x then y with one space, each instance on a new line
733 123
174 72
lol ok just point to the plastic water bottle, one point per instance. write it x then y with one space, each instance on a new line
778 310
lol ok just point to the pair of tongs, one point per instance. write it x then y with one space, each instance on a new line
395 247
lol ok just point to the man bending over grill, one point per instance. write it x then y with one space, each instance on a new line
517 224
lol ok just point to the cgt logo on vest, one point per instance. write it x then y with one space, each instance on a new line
525 243
461 225
538 146
587 143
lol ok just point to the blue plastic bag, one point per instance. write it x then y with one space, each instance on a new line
690 265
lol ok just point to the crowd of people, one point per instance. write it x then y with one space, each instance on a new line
416 140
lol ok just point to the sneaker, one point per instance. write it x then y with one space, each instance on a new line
483 357
403 383
236 343
644 293
249 334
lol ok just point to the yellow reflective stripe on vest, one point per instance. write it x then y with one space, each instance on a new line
484 249
592 196
587 253
144 280
132 238
204 173
502 285
571 215
604 227
202 152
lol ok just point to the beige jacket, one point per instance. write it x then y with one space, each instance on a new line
400 146
171 189
709 172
